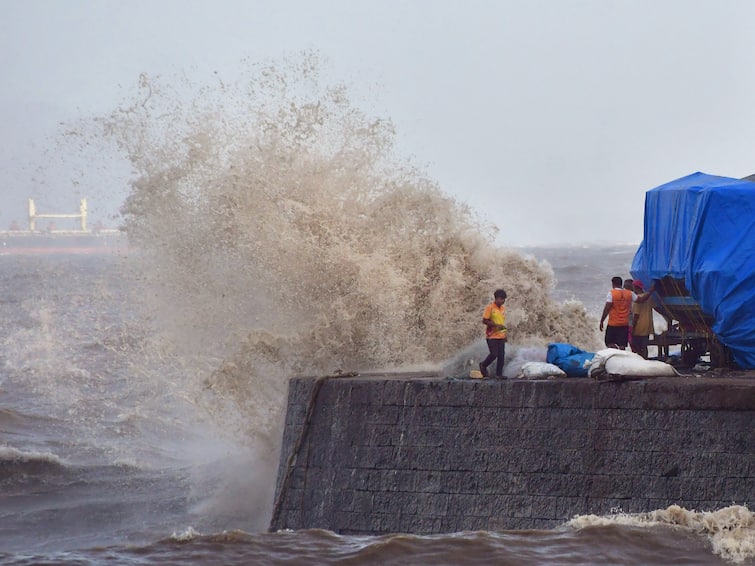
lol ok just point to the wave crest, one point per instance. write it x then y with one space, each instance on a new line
730 530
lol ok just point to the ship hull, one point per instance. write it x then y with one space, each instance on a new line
25 243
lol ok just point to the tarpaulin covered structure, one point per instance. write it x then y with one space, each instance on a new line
701 229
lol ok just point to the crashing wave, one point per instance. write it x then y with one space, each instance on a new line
730 530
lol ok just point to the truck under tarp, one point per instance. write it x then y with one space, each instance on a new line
700 229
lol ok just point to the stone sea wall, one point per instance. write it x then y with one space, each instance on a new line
420 454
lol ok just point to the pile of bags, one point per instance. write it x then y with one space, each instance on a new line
566 360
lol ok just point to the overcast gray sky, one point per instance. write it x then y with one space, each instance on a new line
550 118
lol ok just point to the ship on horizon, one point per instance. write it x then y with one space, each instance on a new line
80 239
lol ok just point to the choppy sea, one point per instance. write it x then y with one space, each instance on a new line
109 455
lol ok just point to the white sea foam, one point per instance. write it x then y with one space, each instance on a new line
186 535
10 454
730 530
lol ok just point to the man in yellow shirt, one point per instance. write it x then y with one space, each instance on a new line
494 319
643 327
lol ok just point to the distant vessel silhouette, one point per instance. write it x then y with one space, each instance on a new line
52 240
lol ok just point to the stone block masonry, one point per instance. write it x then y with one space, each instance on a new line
419 454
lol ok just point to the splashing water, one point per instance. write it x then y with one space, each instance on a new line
730 531
277 230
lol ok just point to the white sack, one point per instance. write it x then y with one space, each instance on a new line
540 370
621 362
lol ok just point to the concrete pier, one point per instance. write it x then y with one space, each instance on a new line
425 454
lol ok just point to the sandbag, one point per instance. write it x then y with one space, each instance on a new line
540 370
623 363
572 360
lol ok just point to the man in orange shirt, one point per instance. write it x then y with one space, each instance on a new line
618 309
494 319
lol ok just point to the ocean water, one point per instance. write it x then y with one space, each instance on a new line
274 230
110 453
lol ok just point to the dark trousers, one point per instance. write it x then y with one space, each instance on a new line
497 349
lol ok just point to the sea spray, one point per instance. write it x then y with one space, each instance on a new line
273 226
275 221
730 530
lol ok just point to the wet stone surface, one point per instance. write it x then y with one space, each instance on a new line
426 454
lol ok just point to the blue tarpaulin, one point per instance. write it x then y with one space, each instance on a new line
572 360
701 229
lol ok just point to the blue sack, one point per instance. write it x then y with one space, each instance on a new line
572 360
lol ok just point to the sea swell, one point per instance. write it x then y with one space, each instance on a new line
17 466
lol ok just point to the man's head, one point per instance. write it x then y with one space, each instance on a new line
638 286
500 296
628 284
616 282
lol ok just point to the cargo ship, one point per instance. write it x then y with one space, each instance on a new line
49 239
